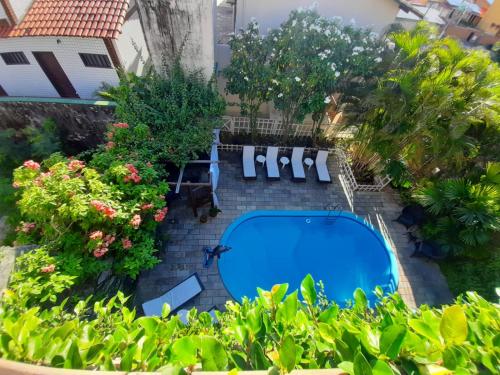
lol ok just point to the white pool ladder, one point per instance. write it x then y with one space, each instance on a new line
334 211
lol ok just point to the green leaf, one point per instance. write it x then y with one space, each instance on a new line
453 325
424 329
171 370
360 301
391 340
278 292
185 351
287 354
361 365
327 332
288 309
347 367
128 358
382 368
213 355
308 290
258 357
329 314
73 359
165 310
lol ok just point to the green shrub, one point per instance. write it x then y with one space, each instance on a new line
274 330
172 118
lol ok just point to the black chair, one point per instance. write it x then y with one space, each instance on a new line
428 249
411 215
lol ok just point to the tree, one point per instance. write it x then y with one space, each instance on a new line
249 72
434 107
313 58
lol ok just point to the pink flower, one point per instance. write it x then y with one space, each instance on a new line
96 235
109 239
105 209
120 125
26 227
110 135
149 164
131 168
136 221
160 214
75 165
46 174
15 185
126 243
147 206
48 269
65 177
110 145
101 251
30 164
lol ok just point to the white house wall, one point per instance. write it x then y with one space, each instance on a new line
2 12
30 80
375 14
131 45
20 7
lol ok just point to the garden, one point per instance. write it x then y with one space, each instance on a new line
425 111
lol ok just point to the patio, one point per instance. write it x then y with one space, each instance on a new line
421 281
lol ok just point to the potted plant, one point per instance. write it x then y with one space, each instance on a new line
213 211
203 219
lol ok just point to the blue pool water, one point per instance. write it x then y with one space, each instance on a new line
273 247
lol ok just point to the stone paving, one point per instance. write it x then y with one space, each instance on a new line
421 281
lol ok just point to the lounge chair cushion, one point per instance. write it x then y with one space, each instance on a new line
249 162
273 171
321 167
297 164
175 297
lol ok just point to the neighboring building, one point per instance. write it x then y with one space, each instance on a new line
409 19
375 14
462 12
490 23
67 48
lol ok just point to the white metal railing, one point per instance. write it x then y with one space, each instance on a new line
266 126
346 171
259 148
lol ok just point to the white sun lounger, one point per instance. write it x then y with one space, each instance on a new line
249 163
297 164
273 172
175 297
321 168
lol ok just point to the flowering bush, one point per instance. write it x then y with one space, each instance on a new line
106 220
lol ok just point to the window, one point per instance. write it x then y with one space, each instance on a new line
93 60
14 58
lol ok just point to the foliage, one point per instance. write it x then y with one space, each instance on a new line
172 118
301 64
249 73
313 58
437 109
480 273
275 330
95 221
464 214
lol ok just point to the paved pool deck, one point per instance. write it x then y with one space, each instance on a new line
421 281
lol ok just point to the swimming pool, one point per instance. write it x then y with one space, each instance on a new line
274 247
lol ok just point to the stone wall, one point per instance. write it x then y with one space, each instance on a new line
82 122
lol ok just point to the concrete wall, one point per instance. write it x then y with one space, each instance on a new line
375 14
180 28
30 80
131 44
82 122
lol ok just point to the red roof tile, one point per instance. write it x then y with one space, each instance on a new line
88 18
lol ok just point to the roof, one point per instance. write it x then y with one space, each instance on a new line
464 4
407 7
80 18
431 15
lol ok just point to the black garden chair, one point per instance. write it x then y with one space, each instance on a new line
412 215
428 249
